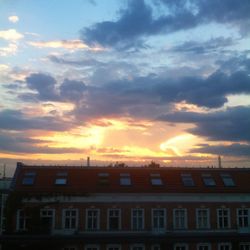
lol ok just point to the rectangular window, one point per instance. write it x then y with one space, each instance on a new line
92 219
91 247
103 179
156 247
187 180
23 220
245 246
227 180
243 217
61 181
156 179
113 247
204 246
223 218
29 178
224 246
202 218
180 218
70 218
61 178
137 217
208 180
70 248
180 247
47 216
125 179
159 219
137 247
114 219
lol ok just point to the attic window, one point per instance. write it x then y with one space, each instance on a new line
103 179
187 180
125 179
61 178
156 179
227 180
61 181
29 178
208 180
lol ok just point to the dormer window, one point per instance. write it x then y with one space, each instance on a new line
61 178
103 179
227 180
156 179
187 180
29 178
208 180
125 179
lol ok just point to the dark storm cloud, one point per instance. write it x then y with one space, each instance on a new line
44 85
72 90
241 62
18 143
210 46
16 120
147 96
137 22
230 125
47 89
235 149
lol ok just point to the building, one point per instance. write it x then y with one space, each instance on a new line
129 208
4 191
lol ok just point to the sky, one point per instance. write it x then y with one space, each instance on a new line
129 81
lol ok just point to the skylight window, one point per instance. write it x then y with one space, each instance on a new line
227 180
29 178
187 180
208 180
61 181
61 178
103 179
125 179
156 179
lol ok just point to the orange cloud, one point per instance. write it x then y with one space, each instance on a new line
13 19
65 44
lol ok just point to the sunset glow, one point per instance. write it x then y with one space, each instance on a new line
116 81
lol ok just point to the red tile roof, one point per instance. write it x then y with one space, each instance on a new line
82 180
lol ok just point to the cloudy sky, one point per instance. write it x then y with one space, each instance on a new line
131 81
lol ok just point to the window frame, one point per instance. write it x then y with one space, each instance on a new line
98 219
228 218
113 246
203 245
187 180
137 245
180 245
224 244
207 218
132 219
227 180
64 218
159 229
208 180
238 217
47 216
125 179
185 226
119 218
244 246
91 246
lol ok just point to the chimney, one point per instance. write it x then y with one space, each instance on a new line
88 161
219 162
